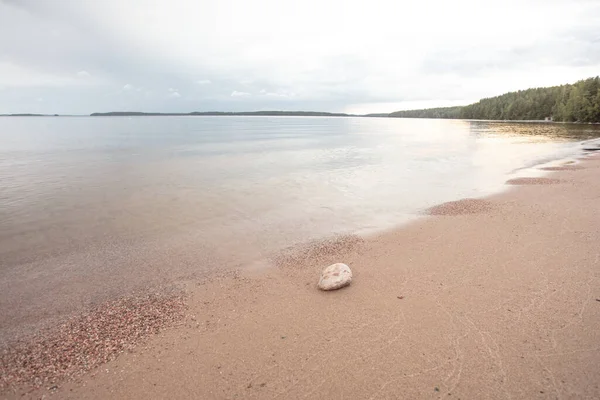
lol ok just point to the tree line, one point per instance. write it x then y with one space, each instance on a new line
578 102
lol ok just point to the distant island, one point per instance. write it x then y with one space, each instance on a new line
222 113
577 102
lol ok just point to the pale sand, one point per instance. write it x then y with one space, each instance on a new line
497 303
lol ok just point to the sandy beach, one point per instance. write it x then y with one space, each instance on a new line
485 299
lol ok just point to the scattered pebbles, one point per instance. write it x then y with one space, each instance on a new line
318 251
86 341
461 207
532 181
563 168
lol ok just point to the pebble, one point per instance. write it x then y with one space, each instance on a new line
335 276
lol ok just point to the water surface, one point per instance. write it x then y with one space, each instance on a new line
69 182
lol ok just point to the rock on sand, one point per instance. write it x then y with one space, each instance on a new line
335 276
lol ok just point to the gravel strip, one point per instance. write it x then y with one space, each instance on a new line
317 251
532 181
563 168
461 207
87 341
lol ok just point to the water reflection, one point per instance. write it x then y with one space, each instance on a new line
541 130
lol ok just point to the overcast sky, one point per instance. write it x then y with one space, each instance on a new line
81 56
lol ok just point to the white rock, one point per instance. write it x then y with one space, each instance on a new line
335 276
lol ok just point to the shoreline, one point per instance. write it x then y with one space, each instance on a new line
66 264
284 114
491 304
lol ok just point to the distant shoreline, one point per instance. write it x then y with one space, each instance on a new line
280 114
563 103
224 113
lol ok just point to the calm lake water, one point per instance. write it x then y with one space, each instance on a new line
69 183
91 207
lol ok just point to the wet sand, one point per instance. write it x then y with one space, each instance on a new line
486 299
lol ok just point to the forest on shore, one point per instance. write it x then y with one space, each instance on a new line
577 102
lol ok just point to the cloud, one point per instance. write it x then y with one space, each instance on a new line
174 94
277 94
235 93
399 52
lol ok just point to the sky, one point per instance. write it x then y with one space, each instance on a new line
84 56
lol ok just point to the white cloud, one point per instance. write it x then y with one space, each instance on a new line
83 74
128 87
39 100
173 93
279 94
203 82
235 93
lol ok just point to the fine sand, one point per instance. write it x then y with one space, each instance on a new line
485 299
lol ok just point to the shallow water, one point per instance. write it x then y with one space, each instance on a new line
69 183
